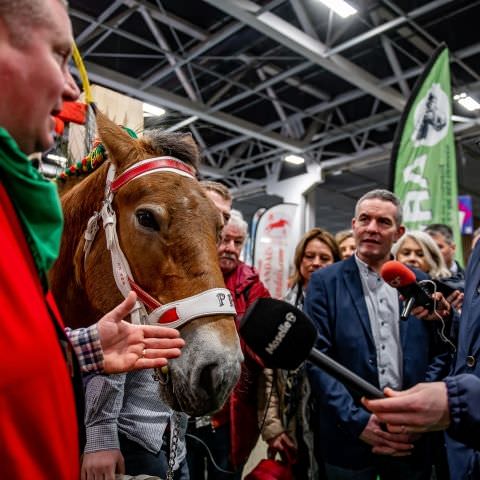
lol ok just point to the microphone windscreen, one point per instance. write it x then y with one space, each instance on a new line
396 274
279 333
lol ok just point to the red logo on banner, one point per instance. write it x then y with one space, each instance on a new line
276 227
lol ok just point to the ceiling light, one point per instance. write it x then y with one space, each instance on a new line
340 7
467 101
294 159
150 110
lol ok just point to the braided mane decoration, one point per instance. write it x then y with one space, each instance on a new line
90 162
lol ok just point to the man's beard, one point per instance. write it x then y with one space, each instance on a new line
228 262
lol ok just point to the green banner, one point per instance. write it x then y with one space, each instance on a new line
423 168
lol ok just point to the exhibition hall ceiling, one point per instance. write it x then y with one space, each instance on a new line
256 81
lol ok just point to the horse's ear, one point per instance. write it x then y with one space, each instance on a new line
189 140
119 144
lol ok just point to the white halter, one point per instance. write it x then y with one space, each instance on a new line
216 301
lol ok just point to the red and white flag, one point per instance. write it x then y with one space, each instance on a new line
274 244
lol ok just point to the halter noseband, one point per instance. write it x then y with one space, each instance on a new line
215 301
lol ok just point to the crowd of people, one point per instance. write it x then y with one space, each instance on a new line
308 419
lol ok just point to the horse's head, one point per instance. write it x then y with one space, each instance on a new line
167 230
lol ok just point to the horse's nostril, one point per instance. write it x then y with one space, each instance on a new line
208 377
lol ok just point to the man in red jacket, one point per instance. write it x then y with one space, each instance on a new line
38 426
230 434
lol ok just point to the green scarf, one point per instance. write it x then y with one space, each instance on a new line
36 201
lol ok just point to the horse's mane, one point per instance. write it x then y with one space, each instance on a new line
176 144
154 141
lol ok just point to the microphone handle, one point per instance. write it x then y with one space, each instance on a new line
407 308
344 375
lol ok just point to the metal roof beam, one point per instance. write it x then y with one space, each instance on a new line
293 38
170 20
392 58
386 27
130 86
352 95
162 42
303 18
97 22
213 40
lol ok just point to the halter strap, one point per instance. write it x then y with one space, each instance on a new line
152 165
215 301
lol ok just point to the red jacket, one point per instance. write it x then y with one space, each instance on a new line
241 408
38 427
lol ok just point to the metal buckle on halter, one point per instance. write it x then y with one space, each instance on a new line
90 233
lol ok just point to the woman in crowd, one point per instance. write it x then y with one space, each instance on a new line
346 243
284 409
418 250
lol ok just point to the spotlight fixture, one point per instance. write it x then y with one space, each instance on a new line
150 110
294 159
466 101
340 7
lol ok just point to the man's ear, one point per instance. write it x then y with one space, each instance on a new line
400 231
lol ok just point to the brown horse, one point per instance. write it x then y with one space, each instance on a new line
166 250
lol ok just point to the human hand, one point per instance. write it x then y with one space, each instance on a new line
386 443
442 308
455 299
284 446
102 464
128 347
422 408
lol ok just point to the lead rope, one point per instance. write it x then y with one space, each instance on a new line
172 454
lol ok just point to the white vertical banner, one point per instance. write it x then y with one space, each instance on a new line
274 244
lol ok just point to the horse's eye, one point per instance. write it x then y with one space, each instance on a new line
147 219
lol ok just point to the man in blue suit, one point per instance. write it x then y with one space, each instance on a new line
358 320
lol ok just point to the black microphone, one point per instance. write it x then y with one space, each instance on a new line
399 276
283 337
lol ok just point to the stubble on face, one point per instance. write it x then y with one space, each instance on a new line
375 231
230 248
42 53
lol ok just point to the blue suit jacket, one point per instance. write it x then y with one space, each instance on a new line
336 304
464 383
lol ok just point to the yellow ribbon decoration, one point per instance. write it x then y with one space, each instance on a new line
77 58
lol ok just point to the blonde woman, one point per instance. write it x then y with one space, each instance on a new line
419 250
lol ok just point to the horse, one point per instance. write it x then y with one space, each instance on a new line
161 233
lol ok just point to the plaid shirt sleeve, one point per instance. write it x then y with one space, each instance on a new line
86 343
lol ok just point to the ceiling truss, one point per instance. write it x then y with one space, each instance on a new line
254 81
